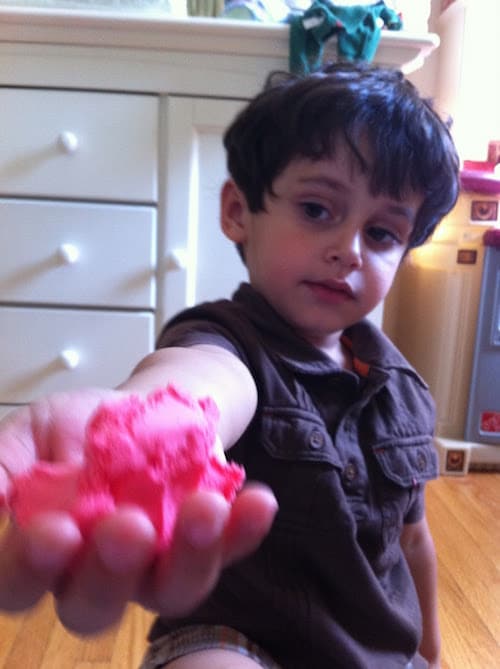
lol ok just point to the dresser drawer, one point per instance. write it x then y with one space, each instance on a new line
44 350
77 254
98 146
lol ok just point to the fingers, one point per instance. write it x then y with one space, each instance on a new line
209 535
31 562
251 518
190 569
93 584
94 596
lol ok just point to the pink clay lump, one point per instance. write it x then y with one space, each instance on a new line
134 456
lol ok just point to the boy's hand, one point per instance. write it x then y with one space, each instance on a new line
93 582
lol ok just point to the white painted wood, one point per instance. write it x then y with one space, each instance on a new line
108 344
98 146
195 171
135 70
77 253
187 35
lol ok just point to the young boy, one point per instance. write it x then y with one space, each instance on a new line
334 177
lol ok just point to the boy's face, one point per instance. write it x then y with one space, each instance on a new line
325 251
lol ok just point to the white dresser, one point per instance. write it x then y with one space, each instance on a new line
110 168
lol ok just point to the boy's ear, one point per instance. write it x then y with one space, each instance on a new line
233 212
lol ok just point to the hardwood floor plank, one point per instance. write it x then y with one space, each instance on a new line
467 642
477 503
30 643
463 515
66 649
461 552
9 629
131 639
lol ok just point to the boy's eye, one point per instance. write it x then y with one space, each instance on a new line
383 236
314 210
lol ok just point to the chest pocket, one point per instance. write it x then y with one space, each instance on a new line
300 463
402 467
409 462
297 436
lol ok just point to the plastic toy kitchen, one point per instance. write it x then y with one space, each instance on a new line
445 317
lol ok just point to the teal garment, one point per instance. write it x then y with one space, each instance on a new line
355 27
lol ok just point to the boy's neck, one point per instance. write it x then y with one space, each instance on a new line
337 351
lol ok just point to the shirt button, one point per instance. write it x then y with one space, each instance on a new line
350 471
316 439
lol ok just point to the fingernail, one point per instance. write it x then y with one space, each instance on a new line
40 542
122 559
123 548
203 534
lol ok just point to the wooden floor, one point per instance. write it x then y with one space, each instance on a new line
464 514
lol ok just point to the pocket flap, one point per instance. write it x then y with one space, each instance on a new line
408 463
293 434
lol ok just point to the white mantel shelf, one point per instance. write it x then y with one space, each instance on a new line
161 32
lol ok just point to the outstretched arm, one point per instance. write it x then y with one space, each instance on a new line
93 581
202 371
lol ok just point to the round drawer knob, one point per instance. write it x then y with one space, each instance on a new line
68 141
69 253
70 358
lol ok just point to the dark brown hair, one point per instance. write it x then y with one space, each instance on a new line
411 149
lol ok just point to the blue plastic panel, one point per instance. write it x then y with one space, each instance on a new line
483 416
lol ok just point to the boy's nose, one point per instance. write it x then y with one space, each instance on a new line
345 250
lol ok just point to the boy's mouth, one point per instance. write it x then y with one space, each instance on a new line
333 291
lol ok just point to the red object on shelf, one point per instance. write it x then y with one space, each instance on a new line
480 177
490 421
480 182
479 165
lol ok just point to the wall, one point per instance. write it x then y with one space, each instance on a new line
425 79
468 73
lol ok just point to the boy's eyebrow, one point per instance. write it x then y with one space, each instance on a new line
402 210
334 184
394 208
